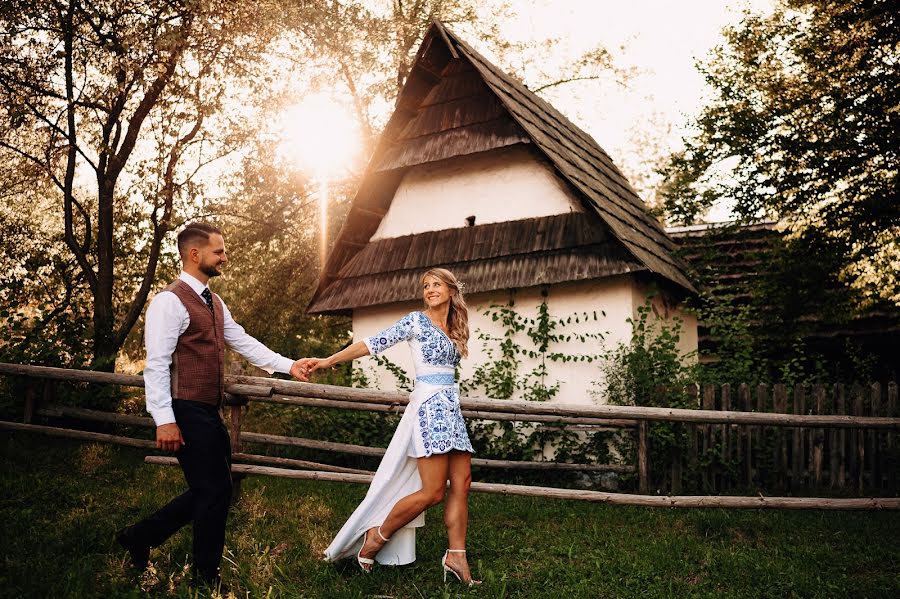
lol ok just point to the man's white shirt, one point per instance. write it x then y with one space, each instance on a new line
165 321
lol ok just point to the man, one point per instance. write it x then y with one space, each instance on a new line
187 329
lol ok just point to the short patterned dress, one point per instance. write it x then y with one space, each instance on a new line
438 426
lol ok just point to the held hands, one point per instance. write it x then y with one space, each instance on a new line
303 368
300 370
168 437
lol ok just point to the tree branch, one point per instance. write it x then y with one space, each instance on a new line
159 230
42 117
117 161
80 255
565 81
35 160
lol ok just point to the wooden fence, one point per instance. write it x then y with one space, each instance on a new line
713 426
725 458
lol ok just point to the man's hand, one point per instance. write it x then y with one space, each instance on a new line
168 437
300 369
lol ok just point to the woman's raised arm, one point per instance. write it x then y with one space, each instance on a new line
351 352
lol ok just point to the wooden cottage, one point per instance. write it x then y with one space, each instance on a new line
477 174
751 268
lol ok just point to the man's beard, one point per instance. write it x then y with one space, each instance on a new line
210 271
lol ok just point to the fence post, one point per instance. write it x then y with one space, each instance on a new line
891 436
797 444
779 395
859 435
49 398
745 451
841 409
30 401
663 398
643 460
818 452
726 480
876 452
762 405
709 403
693 430
236 404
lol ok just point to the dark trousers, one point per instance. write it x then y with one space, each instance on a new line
205 460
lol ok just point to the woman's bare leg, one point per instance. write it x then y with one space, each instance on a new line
433 471
456 510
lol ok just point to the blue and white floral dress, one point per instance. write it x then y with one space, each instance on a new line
432 423
439 425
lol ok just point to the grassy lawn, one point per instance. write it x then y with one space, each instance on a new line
62 502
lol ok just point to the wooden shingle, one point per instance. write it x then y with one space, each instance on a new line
456 103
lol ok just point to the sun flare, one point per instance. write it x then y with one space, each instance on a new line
320 136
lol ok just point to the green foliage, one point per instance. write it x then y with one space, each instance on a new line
635 371
45 310
770 307
739 349
802 127
403 381
499 376
650 371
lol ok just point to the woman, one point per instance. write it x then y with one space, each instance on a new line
429 447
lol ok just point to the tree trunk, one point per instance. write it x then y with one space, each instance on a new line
105 346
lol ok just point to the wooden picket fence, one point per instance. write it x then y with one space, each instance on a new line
801 460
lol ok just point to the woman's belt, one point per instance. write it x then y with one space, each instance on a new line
441 378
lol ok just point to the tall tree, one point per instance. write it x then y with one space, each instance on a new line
116 107
803 126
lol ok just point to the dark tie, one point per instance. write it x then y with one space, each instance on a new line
207 295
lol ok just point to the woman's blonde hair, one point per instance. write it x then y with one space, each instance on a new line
458 317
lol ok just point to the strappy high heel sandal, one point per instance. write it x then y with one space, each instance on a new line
368 561
471 582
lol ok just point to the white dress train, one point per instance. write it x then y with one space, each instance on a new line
432 423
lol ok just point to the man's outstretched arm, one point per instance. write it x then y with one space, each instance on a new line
256 353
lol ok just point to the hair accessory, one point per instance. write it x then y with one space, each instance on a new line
461 286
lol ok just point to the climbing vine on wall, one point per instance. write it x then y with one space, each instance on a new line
501 375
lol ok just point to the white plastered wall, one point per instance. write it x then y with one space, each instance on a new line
497 186
580 382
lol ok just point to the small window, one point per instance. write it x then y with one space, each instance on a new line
470 221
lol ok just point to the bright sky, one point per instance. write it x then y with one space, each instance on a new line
661 39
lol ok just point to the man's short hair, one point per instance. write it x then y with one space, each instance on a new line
195 234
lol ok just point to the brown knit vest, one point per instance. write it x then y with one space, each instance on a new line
198 362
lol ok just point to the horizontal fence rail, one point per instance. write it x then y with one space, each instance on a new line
768 437
873 503
520 408
265 439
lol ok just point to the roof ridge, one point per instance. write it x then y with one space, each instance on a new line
592 144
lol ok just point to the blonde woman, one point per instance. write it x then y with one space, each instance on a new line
430 446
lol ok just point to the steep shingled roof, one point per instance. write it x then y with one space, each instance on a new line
455 102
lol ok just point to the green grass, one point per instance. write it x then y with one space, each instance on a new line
62 501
